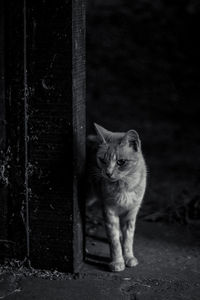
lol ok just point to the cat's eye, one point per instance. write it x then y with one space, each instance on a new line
102 160
121 162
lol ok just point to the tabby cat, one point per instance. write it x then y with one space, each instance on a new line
120 185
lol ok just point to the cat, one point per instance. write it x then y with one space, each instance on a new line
119 181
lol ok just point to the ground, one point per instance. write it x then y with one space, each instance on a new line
169 264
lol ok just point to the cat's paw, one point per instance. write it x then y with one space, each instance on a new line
131 261
117 266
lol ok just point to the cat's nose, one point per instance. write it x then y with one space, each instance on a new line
108 174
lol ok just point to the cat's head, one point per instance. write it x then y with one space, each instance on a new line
118 153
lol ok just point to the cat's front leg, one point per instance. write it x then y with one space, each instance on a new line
113 232
128 230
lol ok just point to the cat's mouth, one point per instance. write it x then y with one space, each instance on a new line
111 179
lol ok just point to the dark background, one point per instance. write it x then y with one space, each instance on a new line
143 73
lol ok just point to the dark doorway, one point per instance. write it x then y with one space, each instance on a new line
143 73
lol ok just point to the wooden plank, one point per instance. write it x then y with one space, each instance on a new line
3 189
56 132
49 65
2 77
45 84
78 88
14 72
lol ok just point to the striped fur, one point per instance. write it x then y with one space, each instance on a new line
119 178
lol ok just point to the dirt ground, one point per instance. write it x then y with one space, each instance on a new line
169 264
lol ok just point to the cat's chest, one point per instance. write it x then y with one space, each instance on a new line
119 194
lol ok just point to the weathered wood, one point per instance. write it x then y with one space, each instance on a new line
3 204
5 244
78 88
50 133
14 72
46 91
57 133
2 77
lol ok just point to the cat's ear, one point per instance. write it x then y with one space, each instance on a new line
132 138
102 133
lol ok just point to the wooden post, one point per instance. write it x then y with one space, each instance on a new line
14 96
49 72
2 77
78 89
4 243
